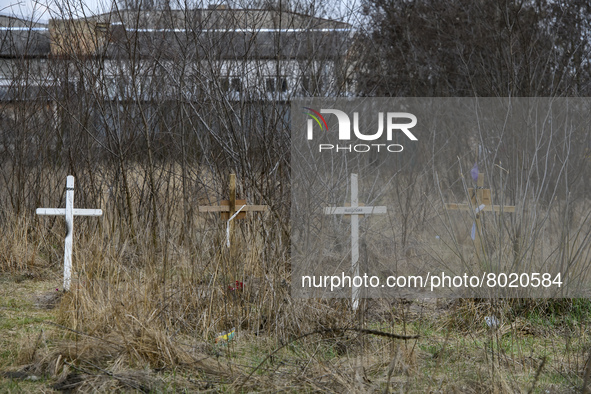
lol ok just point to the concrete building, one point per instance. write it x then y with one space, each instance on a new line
131 70
244 54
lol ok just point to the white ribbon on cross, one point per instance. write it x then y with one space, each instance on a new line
473 232
228 226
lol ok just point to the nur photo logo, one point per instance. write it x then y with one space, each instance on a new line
389 123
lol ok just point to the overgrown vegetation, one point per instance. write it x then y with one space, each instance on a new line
151 126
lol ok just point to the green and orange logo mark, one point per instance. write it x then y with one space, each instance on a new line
317 117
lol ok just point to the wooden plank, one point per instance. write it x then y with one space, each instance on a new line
354 238
69 242
255 208
477 201
348 204
226 208
486 199
239 203
214 208
355 210
87 212
51 211
487 208
232 201
62 212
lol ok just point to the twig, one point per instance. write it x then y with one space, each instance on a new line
121 379
321 331
391 369
80 369
538 372
36 345
84 334
587 374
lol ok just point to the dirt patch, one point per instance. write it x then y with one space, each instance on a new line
47 300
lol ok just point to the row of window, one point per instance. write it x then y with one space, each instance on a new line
231 85
272 85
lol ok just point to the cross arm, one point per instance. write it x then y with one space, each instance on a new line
226 208
487 208
76 211
51 211
355 210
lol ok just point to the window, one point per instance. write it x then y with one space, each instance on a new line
235 85
224 84
276 84
305 84
270 85
311 84
110 87
282 82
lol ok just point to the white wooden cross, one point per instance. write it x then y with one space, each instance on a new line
355 210
69 211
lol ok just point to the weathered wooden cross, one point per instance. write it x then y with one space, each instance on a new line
355 210
480 202
69 212
232 208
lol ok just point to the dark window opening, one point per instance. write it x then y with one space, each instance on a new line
283 84
235 85
224 84
270 84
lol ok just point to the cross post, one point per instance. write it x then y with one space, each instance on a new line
480 202
232 209
355 210
69 212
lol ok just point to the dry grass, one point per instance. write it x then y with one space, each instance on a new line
122 349
142 317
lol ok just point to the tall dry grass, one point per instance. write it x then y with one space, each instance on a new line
140 312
